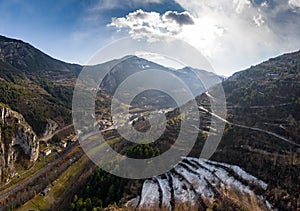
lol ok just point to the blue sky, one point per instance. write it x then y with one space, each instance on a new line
62 27
46 24
233 34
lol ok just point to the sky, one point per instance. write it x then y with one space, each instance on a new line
231 34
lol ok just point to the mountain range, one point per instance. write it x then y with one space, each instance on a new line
261 135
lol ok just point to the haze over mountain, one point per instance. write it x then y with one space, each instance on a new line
46 83
233 34
261 136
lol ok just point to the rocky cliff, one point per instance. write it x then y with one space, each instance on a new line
19 146
35 85
50 127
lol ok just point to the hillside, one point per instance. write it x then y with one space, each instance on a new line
46 84
30 60
261 135
19 146
36 85
199 184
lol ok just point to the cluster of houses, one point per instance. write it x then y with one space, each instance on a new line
104 124
45 191
63 144
47 152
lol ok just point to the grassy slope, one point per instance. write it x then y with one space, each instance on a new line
62 187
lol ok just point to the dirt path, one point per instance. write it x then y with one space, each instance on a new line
50 136
251 128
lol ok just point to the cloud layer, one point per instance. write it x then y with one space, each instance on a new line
294 3
252 31
233 34
180 18
152 25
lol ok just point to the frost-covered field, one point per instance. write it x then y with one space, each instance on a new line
202 183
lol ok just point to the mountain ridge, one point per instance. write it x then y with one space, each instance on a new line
264 96
28 48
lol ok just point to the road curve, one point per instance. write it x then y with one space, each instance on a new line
50 136
250 128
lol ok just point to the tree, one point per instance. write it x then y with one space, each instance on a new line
111 195
79 204
72 206
88 204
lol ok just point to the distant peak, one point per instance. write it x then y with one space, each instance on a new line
130 57
134 58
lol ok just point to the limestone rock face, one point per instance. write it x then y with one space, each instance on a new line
18 143
50 127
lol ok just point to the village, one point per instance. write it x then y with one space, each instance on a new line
56 145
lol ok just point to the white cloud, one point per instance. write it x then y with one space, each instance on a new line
218 29
240 5
250 33
258 20
264 4
182 18
294 3
152 25
160 59
233 34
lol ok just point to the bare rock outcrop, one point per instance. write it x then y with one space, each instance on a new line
19 146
